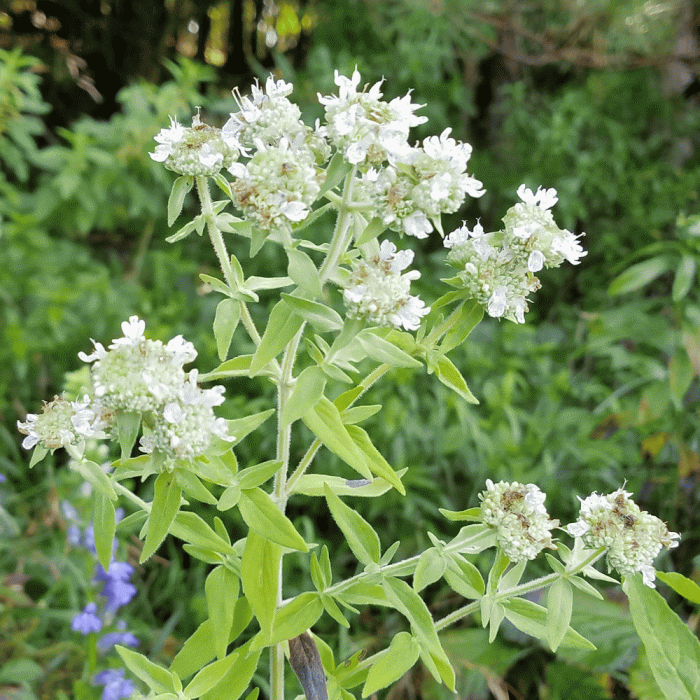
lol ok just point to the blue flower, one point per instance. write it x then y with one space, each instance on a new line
123 637
116 687
116 588
87 621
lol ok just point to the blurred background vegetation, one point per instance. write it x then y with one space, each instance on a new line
599 99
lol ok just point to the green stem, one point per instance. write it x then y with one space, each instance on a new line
445 326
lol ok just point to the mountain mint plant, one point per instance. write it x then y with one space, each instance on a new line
343 318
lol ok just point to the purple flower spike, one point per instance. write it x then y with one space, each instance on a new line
87 621
116 687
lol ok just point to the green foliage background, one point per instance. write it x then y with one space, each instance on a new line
598 388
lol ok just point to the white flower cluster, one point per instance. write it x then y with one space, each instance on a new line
61 423
364 127
498 268
146 377
517 512
197 150
421 184
378 291
632 536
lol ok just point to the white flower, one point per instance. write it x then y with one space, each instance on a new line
518 514
544 199
379 291
631 536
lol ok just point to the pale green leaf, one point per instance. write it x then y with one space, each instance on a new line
258 474
166 503
104 523
641 274
681 585
155 677
221 590
210 675
228 314
307 392
181 187
430 568
282 325
401 655
264 517
303 272
450 376
381 350
559 607
260 578
374 459
320 316
234 682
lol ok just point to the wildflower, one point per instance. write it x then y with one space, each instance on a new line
61 423
200 150
186 425
116 687
517 512
498 269
87 621
379 292
122 636
116 587
363 126
278 185
631 536
137 374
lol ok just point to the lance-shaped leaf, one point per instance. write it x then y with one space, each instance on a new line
361 538
303 272
450 376
297 616
375 461
264 517
319 315
325 421
235 367
234 682
411 605
221 590
681 585
559 607
672 649
210 675
471 314
228 314
313 485
258 474
154 676
282 325
462 576
166 503
392 664
240 427
431 566
104 523
260 578
128 424
190 527
531 618
307 392
382 350
181 187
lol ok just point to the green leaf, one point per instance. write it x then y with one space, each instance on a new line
313 485
336 170
189 483
384 351
392 664
559 607
258 474
374 459
326 423
155 677
359 534
210 675
672 649
680 375
282 325
685 276
411 605
333 610
297 616
681 585
370 232
451 377
265 518
307 392
531 618
91 472
303 272
464 578
471 514
216 284
166 503
128 424
471 314
234 682
431 566
641 274
181 187
240 427
235 367
319 315
221 591
228 314
190 527
105 524
260 578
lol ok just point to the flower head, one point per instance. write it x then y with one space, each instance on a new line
378 290
366 128
631 536
197 150
60 423
116 687
517 512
